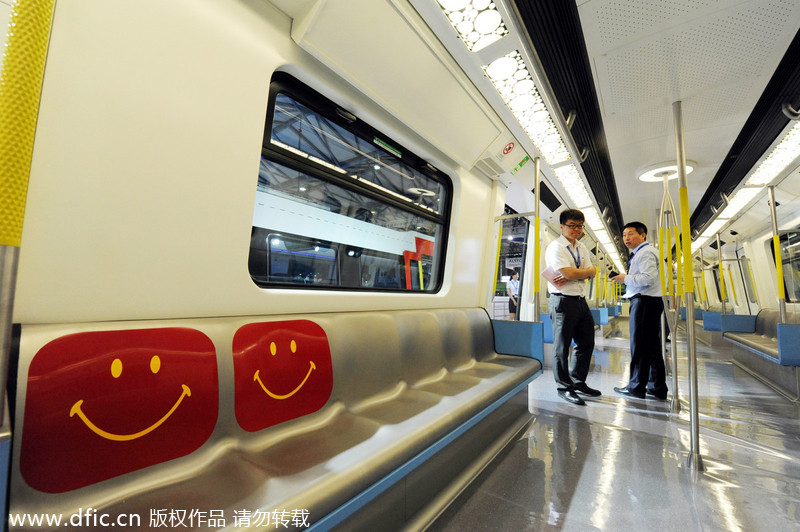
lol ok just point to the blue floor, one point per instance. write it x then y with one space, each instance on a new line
620 463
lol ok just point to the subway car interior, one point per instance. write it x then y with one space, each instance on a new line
198 194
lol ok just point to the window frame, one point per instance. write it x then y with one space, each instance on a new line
283 83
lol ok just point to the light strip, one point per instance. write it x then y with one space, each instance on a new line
739 201
700 242
787 150
593 219
714 227
571 181
478 23
514 82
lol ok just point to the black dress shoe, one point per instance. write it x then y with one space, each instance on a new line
629 393
663 396
585 390
570 396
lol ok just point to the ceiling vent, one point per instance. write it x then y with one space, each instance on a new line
490 168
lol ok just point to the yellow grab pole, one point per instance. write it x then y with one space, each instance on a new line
722 282
776 244
776 247
670 290
21 78
695 460
679 281
752 281
733 288
497 262
537 256
703 283
661 265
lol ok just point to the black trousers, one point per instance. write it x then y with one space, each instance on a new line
572 320
647 371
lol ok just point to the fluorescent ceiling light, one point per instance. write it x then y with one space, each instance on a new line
714 227
573 184
593 219
514 82
477 22
782 156
656 173
603 238
700 242
739 201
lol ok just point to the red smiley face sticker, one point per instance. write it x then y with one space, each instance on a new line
101 404
282 371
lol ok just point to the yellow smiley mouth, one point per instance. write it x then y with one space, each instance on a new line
76 409
275 396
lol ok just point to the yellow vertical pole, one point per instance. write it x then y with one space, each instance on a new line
21 77
733 288
497 261
695 460
776 246
668 244
679 281
661 266
752 281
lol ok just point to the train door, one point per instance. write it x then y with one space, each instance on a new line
510 259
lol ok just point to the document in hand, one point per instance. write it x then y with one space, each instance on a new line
549 273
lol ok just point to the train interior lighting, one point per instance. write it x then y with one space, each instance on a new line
477 22
514 82
282 260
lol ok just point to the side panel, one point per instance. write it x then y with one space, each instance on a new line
146 160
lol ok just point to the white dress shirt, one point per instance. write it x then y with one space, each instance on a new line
643 275
561 254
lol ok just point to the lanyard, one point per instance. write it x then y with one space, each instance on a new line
578 260
637 251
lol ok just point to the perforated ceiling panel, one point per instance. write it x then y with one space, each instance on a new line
733 45
714 56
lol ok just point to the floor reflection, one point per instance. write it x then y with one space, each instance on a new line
620 463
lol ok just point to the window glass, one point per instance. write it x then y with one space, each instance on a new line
340 206
747 278
790 258
374 162
715 272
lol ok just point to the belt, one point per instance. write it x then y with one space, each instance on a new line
559 294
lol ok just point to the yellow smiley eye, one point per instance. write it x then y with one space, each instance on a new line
293 346
273 348
116 368
155 364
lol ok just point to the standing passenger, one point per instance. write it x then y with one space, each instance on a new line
512 289
643 289
572 319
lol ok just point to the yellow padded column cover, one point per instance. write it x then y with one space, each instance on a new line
20 90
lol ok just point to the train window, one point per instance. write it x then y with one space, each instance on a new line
790 258
715 272
747 279
340 205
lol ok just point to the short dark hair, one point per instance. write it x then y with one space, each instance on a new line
639 226
571 214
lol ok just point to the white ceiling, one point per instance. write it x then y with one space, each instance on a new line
716 56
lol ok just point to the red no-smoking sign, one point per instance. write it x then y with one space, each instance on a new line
508 148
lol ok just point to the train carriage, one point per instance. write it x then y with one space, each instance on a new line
258 256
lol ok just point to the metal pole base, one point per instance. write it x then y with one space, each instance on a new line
695 462
675 404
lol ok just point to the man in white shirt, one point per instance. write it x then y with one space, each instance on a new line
512 290
643 289
572 319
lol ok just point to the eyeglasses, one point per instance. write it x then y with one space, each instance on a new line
574 226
